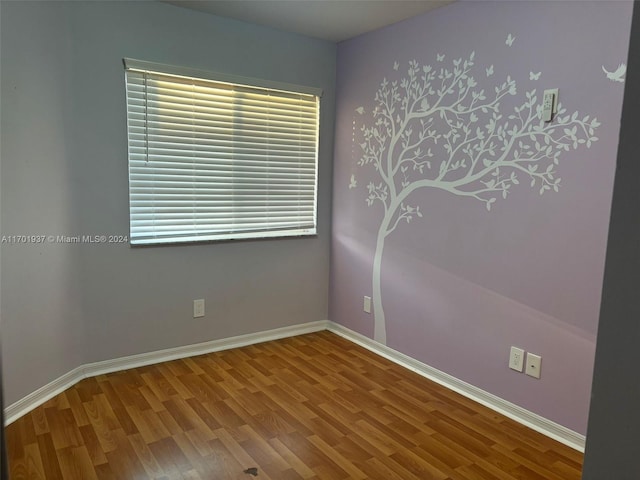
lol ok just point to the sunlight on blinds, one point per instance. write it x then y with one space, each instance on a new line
215 160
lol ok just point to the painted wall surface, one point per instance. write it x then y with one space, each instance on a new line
40 284
473 224
64 172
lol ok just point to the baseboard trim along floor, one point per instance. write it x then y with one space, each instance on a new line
519 414
35 399
532 420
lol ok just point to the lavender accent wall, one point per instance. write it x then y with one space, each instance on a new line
467 277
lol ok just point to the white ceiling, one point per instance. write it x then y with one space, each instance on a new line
333 20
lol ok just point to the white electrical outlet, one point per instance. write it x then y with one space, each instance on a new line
534 363
516 359
198 308
367 304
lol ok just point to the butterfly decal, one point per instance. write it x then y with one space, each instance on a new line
509 40
534 76
396 65
440 57
489 71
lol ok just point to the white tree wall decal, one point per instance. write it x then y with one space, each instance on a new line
435 128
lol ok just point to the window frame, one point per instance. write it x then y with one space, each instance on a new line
145 68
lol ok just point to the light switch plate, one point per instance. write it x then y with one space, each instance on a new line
549 104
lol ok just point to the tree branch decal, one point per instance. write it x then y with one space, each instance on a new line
436 128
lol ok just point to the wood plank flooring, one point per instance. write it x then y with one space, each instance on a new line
309 407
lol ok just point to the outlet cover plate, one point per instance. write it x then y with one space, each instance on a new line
367 304
198 308
516 359
534 363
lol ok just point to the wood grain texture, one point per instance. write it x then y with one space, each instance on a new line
310 407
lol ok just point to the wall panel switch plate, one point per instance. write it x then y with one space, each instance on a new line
549 104
198 308
516 359
533 365
367 304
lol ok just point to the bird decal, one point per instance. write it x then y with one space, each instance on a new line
618 74
489 71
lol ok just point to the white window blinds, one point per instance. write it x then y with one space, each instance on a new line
212 160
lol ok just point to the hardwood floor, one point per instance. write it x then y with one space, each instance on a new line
309 407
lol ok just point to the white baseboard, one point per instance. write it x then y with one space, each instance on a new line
35 399
519 414
508 409
45 393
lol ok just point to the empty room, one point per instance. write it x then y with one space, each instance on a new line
319 239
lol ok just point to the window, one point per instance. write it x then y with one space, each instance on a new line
213 157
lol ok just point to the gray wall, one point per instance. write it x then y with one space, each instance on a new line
613 435
64 171
40 284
